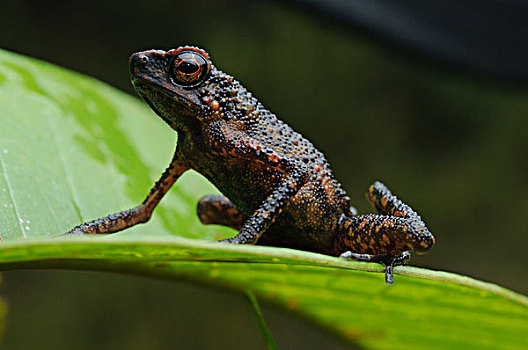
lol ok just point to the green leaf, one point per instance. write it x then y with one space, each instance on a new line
73 149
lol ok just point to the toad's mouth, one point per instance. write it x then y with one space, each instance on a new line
167 102
147 87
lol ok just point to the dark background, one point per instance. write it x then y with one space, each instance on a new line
445 131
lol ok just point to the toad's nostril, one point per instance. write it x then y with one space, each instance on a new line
137 62
139 58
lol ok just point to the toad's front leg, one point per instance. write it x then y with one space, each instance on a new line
384 238
268 211
140 214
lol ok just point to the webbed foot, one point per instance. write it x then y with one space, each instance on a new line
389 261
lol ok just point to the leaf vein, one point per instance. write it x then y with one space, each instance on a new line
63 167
12 196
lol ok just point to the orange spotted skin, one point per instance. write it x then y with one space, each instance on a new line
399 228
278 188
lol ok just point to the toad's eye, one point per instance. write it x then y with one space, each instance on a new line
189 68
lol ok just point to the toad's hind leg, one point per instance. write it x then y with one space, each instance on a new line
220 211
384 238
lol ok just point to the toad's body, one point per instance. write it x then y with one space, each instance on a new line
249 155
278 188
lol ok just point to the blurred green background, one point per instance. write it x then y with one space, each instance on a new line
454 146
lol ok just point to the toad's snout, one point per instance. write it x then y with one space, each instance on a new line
138 61
148 63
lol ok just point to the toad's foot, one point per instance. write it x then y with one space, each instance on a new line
389 261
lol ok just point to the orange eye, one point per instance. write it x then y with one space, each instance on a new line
189 68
